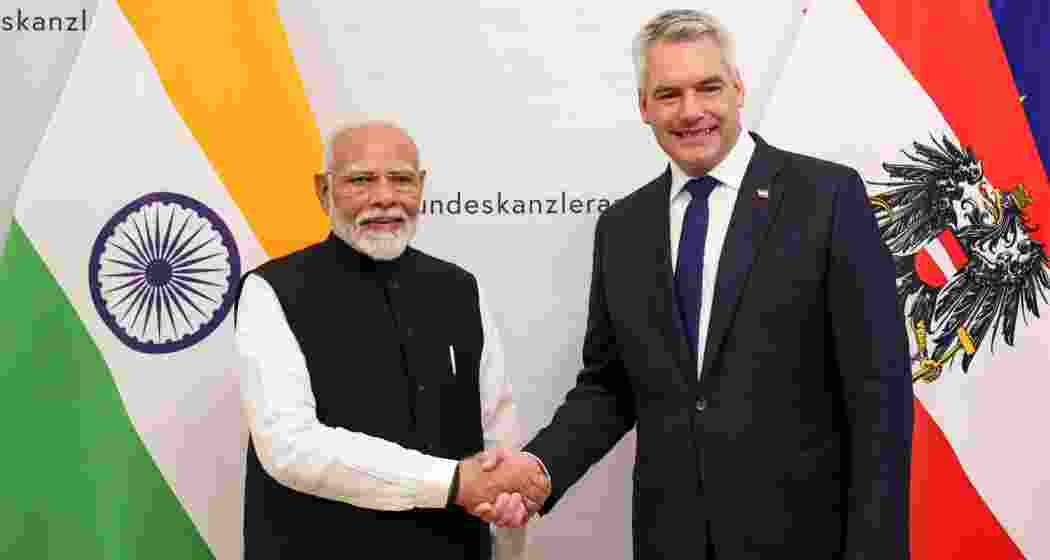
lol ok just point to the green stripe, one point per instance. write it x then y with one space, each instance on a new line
77 480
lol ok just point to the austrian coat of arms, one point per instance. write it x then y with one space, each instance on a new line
966 264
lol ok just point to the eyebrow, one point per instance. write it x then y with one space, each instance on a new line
351 168
710 80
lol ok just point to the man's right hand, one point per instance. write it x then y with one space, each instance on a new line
502 486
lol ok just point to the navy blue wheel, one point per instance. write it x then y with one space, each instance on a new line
163 272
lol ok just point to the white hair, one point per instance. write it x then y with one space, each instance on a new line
681 26
347 128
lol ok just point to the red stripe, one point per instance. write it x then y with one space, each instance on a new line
953 248
949 520
928 271
953 50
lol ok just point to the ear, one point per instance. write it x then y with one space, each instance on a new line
738 82
422 181
321 188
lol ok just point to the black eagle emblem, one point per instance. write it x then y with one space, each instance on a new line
966 263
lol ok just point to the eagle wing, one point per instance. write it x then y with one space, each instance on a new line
988 295
917 201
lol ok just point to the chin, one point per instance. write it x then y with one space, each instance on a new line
704 161
382 246
694 160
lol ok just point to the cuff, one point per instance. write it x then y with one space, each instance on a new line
453 490
436 483
546 473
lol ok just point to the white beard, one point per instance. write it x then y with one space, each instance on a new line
382 245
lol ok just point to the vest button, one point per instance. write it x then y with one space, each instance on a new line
701 404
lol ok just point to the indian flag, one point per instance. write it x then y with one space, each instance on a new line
178 157
920 96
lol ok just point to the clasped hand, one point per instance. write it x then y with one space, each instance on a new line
502 487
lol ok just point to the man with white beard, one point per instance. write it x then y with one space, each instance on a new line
368 371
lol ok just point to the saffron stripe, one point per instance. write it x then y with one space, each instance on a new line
229 71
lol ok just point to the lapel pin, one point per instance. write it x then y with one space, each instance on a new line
762 193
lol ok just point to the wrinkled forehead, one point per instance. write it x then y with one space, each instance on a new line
375 149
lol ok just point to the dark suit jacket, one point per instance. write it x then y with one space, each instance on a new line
795 442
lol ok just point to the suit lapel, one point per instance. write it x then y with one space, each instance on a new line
750 224
657 199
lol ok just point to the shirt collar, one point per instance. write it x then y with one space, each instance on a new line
729 172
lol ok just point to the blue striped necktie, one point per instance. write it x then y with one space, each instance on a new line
689 272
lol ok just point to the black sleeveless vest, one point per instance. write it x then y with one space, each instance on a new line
376 337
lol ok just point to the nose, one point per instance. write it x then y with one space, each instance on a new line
692 107
383 194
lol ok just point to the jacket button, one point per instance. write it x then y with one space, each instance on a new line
409 332
421 388
701 404
394 284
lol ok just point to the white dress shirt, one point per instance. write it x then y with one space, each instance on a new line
338 464
730 174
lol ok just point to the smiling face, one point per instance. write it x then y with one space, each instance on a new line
691 99
373 192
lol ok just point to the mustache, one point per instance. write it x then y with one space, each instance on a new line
395 213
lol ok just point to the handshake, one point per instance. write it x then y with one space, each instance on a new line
502 487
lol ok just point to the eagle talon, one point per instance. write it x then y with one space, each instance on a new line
928 372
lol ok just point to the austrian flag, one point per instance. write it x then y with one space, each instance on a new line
944 157
940 259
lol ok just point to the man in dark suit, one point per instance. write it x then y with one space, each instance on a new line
743 318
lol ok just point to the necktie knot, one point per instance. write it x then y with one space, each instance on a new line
701 187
